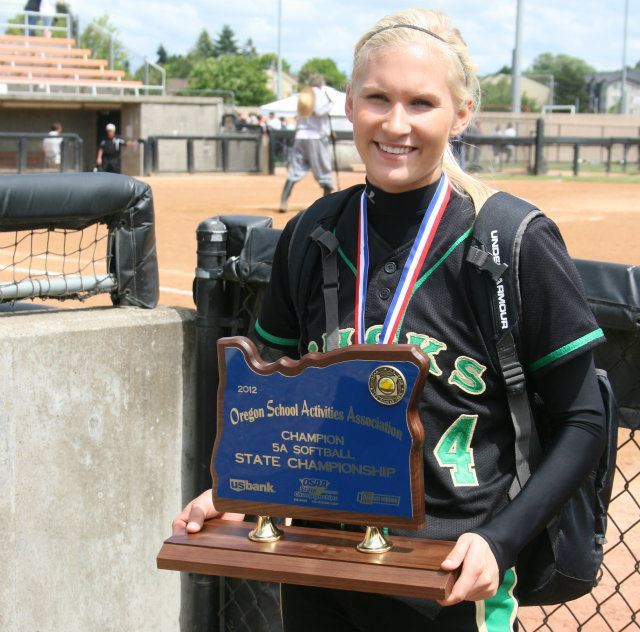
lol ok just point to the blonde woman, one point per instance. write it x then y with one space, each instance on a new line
413 89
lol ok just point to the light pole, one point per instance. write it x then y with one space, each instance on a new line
623 89
516 63
279 80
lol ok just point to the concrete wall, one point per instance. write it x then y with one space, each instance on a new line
95 415
180 116
81 122
141 116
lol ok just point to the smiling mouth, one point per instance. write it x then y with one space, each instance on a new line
395 150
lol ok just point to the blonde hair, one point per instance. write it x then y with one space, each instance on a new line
432 28
306 102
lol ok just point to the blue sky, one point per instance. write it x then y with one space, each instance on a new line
590 29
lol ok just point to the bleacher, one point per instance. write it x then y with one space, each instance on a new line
54 65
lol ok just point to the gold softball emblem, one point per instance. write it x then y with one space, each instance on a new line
387 385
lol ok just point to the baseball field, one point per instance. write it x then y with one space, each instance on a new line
599 220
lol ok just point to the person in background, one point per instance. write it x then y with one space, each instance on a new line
311 147
32 20
51 147
510 132
273 122
47 11
109 150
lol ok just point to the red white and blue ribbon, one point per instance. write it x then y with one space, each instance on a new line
412 266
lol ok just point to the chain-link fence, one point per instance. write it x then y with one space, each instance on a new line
614 605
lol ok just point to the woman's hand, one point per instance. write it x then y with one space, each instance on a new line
196 512
479 576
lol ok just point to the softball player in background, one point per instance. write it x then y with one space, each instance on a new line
312 146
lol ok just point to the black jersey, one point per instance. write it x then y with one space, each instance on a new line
468 448
111 148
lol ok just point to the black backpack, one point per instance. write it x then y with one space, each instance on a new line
563 561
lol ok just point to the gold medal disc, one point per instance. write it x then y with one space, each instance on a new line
387 385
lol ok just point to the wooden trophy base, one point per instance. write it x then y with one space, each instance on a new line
312 557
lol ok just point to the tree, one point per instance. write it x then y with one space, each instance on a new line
270 60
204 46
496 97
569 75
226 43
325 67
245 77
95 36
162 55
249 50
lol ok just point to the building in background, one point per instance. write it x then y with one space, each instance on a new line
605 89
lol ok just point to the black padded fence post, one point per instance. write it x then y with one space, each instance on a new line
190 157
209 295
576 159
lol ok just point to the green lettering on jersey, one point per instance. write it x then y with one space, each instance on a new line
454 451
430 347
372 335
467 375
313 347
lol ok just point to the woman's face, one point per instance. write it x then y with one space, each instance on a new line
403 116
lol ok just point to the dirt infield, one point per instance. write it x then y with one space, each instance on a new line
598 220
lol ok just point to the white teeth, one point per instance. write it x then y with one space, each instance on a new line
395 150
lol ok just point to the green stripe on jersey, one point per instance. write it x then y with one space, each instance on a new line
289 342
346 260
439 262
498 614
428 273
567 349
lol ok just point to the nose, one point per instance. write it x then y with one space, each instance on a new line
397 120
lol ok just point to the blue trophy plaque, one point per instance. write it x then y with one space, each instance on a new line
334 436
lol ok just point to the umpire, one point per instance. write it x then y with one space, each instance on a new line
108 158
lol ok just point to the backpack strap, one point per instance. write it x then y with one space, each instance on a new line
328 244
494 253
303 258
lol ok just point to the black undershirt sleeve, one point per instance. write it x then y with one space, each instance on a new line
576 416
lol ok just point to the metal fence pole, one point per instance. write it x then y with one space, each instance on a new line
210 305
22 155
538 163
576 159
63 154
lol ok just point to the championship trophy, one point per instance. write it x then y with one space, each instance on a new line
331 438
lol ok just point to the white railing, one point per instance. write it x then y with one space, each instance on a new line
26 28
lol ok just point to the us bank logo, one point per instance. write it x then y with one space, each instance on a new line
242 485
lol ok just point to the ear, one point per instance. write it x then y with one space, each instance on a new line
348 103
462 119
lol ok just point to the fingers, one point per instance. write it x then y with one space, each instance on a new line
457 554
194 514
479 575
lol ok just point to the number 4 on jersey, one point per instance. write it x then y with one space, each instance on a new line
454 451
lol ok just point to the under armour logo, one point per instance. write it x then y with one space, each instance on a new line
370 194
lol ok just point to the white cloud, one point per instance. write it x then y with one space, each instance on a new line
589 29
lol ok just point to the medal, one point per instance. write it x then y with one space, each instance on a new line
412 266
